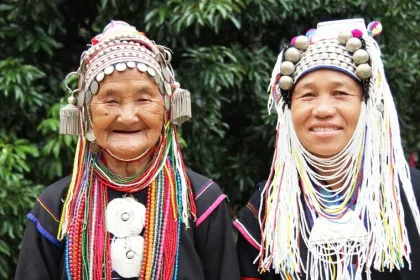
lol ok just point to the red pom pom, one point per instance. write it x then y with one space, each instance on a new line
357 33
94 40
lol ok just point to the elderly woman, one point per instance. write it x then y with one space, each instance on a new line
131 209
339 202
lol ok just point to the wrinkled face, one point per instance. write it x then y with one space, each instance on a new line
127 113
325 109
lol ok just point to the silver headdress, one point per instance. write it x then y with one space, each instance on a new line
119 47
360 224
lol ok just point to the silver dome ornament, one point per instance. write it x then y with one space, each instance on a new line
286 82
360 57
353 44
121 67
108 71
292 54
344 36
287 68
302 42
100 76
142 67
363 71
131 64
90 136
80 98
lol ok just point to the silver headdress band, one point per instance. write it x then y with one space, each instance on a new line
119 47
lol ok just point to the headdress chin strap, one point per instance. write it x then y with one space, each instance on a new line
372 169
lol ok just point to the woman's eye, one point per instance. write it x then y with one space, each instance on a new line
340 93
309 94
143 99
111 101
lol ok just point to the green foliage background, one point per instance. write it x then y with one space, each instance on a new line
224 54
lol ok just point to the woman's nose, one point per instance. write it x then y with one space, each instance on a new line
128 114
324 107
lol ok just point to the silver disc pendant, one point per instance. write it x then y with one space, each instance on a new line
90 136
125 217
151 71
127 256
80 98
100 76
168 89
108 70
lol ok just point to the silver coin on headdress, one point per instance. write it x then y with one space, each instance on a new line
94 86
88 96
166 75
90 136
125 217
127 256
80 98
120 67
108 70
142 67
151 71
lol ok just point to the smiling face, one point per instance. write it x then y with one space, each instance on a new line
127 113
325 109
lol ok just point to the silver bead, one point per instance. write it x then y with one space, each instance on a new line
131 64
336 62
363 71
287 68
71 100
311 63
130 255
328 62
344 65
353 44
125 216
292 54
344 36
319 62
360 57
286 82
302 42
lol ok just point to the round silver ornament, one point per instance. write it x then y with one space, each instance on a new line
344 36
336 62
120 67
127 256
90 136
360 56
121 208
168 89
131 64
94 86
157 79
81 98
100 76
302 42
353 44
88 97
166 75
292 54
108 70
151 71
286 82
363 71
142 67
287 68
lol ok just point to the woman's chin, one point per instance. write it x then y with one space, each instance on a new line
123 153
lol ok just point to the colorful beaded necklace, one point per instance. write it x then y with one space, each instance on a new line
83 223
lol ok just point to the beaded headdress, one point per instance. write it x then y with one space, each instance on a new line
102 236
360 224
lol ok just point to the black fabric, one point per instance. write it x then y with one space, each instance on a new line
247 253
206 252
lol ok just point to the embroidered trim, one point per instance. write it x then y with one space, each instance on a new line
43 231
203 188
241 228
44 205
253 210
210 210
